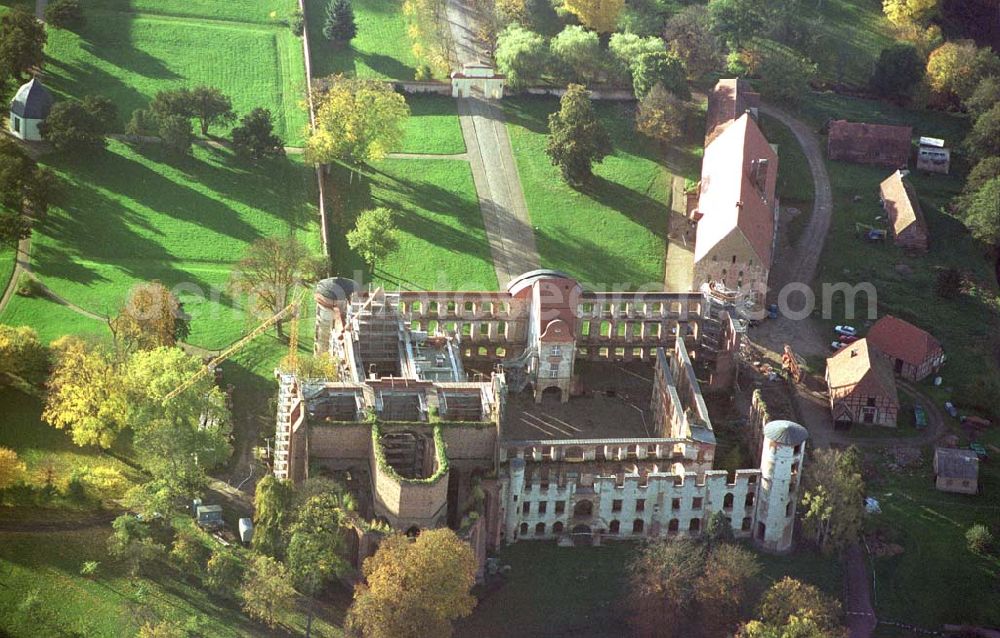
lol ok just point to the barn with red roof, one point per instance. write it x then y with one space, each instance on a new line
912 352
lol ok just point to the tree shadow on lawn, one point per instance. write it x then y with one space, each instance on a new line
425 195
76 81
640 208
119 51
590 263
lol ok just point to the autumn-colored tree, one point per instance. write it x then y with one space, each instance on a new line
661 116
793 608
85 395
415 588
689 35
267 591
955 68
24 360
151 317
374 235
430 32
357 121
189 552
832 502
901 12
224 572
269 273
12 468
272 515
599 15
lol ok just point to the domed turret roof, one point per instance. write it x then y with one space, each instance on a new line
785 432
336 288
32 101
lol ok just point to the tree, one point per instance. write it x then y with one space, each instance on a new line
162 629
902 12
272 515
599 15
736 21
132 543
662 579
374 235
660 67
270 271
224 572
24 360
64 14
785 75
85 396
316 546
955 68
522 56
898 71
73 125
949 283
173 102
984 96
22 40
189 552
833 499
576 137
723 588
689 35
357 121
793 609
151 317
978 537
719 529
579 54
12 469
25 190
254 137
415 588
211 106
984 139
661 116
339 26
983 213
985 170
627 47
176 132
267 592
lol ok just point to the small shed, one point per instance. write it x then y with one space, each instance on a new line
31 105
956 470
906 218
913 353
932 156
479 76
862 143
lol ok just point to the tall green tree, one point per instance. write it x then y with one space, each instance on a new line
576 138
833 507
22 40
689 35
983 213
984 139
662 67
357 121
272 515
25 191
267 591
211 107
83 125
374 235
254 138
579 54
522 55
339 26
785 76
415 588
737 21
898 71
793 609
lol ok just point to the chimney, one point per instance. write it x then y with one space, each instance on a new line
854 353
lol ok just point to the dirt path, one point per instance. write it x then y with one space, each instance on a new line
22 264
42 527
857 596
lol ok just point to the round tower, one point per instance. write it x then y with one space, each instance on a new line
332 296
780 473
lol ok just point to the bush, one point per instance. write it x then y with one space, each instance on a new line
89 568
224 573
28 286
188 552
254 137
76 489
64 14
979 538
297 22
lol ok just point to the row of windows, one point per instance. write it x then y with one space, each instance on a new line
638 526
640 504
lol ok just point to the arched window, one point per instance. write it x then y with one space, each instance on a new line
614 527
557 527
727 502
540 529
524 529
695 525
637 526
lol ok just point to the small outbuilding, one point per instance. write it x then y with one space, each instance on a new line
478 77
912 352
956 470
861 143
861 387
932 156
906 219
31 105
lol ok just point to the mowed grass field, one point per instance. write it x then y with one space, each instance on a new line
128 51
443 243
127 215
382 48
433 127
612 232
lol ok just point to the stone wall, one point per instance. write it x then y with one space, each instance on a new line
347 443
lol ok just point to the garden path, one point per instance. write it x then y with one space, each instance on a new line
21 265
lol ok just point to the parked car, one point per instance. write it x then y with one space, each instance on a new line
849 331
836 345
950 408
848 338
980 450
919 417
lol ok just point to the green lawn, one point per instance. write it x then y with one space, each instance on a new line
111 603
433 127
851 34
818 108
128 52
936 579
443 244
795 185
50 319
613 231
382 49
7 256
127 215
